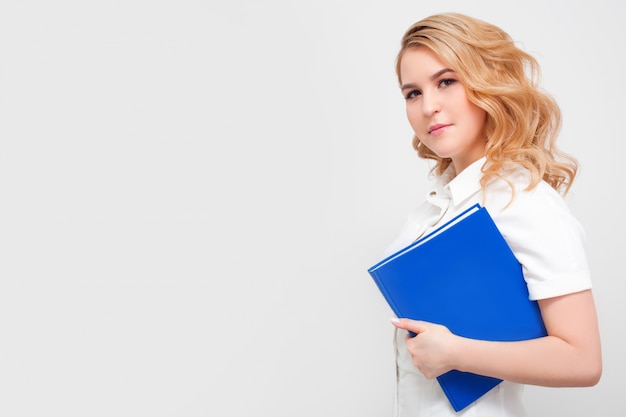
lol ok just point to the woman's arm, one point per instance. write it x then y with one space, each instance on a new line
569 356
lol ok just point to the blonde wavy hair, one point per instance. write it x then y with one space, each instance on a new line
522 122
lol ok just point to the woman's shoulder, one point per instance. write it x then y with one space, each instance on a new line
513 190
539 211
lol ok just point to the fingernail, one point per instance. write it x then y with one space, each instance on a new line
395 320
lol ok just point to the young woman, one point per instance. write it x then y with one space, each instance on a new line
473 101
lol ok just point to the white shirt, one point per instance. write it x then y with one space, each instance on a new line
546 239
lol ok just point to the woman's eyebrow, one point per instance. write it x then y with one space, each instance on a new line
440 73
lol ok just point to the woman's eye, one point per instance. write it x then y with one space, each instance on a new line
412 94
446 82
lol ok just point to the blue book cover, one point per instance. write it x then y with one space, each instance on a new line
462 275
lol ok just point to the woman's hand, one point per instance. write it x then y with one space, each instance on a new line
570 356
433 349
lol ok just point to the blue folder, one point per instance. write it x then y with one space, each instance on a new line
462 275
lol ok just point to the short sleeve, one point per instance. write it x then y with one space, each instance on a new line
547 240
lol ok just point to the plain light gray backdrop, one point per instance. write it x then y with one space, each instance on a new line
191 193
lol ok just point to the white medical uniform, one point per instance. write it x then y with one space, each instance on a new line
546 239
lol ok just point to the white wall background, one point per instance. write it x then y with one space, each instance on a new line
191 193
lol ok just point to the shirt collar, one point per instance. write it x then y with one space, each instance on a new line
461 186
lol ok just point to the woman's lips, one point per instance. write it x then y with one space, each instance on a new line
437 129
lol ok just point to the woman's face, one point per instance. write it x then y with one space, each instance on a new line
438 109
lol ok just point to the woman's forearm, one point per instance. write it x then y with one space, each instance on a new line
569 356
548 361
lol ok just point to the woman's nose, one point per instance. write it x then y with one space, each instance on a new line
430 104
